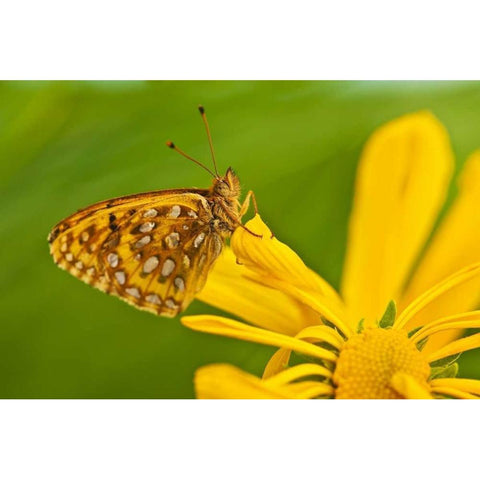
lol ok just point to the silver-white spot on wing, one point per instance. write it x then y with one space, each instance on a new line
179 283
143 241
151 264
168 267
151 212
120 276
174 212
171 303
133 291
146 227
172 240
112 259
153 298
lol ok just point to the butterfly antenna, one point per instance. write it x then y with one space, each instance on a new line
204 118
183 154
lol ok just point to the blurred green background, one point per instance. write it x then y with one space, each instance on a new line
66 145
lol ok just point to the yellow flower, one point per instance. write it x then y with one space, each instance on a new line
355 344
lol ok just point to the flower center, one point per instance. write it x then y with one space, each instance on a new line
369 359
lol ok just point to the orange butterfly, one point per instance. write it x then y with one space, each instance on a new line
153 250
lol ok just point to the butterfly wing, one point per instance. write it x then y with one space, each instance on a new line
153 250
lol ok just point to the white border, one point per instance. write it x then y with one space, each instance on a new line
238 439
252 39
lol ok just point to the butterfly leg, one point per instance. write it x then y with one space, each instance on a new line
244 207
246 204
249 231
238 223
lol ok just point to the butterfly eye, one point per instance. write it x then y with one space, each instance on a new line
222 187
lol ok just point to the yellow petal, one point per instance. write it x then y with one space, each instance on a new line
268 256
409 387
234 329
229 289
453 322
437 291
315 302
453 392
401 184
279 360
463 384
298 371
274 264
221 381
308 389
321 333
455 245
277 363
225 381
457 346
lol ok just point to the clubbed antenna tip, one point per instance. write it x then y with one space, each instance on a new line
171 145
204 118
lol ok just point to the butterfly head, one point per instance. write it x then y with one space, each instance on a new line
227 186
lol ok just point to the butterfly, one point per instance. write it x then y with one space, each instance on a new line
153 250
